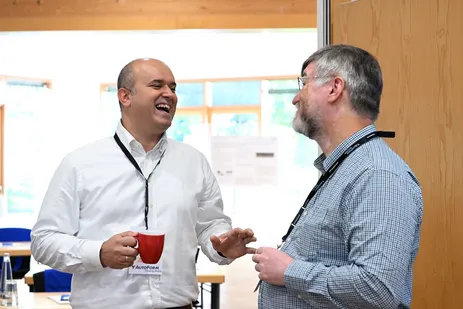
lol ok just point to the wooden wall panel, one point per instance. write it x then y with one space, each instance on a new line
155 14
420 46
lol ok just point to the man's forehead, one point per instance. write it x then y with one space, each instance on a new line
309 70
149 70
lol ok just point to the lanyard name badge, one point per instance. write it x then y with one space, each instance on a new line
321 181
139 267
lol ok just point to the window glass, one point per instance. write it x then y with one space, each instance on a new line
236 93
190 94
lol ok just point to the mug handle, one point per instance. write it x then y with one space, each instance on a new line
136 237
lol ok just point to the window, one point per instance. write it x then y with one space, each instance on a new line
233 108
185 127
110 111
235 124
236 93
28 126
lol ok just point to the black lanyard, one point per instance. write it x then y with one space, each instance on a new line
331 171
327 175
134 163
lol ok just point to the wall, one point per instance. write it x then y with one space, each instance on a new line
420 46
155 14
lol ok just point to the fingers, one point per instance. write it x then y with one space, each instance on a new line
256 258
236 232
257 253
249 240
129 233
249 250
215 241
129 241
129 251
240 233
127 260
249 233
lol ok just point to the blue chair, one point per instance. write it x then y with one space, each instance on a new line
52 280
20 264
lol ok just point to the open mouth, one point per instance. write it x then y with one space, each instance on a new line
163 107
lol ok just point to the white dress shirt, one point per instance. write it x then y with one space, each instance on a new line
96 193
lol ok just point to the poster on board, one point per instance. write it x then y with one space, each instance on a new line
244 160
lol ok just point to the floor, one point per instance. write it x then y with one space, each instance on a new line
237 291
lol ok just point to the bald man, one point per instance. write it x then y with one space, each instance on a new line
138 179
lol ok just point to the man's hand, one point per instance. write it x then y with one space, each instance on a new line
118 252
271 264
232 244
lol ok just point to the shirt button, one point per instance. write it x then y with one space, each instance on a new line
299 296
304 213
289 239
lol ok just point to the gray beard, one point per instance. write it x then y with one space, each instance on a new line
306 125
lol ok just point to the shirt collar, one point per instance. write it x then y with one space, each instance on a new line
323 163
134 146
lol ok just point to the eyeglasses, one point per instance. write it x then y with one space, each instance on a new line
302 81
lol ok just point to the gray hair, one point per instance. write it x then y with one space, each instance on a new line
359 69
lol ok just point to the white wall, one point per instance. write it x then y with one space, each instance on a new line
190 53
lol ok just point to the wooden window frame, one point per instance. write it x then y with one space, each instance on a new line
207 110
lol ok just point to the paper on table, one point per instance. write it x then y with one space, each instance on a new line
59 299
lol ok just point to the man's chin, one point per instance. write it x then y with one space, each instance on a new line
164 126
303 128
298 126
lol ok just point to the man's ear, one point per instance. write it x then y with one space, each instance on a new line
123 95
337 88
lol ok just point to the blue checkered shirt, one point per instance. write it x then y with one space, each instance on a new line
355 244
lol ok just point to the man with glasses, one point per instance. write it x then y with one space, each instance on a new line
354 241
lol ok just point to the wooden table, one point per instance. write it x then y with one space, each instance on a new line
15 248
206 274
28 300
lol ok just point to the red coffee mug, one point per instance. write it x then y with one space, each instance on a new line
150 246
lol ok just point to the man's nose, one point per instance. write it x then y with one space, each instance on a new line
296 98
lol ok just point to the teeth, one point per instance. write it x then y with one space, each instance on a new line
163 106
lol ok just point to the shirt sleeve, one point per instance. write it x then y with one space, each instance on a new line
382 221
211 218
53 240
